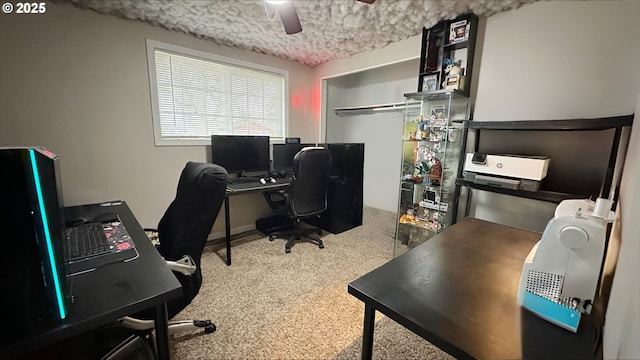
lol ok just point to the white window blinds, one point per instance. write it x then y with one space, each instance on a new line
198 97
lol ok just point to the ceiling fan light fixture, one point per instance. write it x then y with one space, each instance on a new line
289 17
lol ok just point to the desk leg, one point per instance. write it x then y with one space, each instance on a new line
162 332
227 229
367 332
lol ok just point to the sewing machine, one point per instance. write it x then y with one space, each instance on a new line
561 273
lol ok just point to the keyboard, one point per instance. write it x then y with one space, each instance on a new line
256 185
87 240
244 180
94 244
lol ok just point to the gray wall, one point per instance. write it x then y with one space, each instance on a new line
563 60
381 133
76 82
622 325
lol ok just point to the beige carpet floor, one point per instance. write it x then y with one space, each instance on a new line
273 305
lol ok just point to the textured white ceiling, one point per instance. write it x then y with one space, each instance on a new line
331 29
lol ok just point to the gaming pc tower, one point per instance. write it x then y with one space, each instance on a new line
345 188
33 284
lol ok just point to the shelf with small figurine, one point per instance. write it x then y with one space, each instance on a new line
431 143
425 220
446 56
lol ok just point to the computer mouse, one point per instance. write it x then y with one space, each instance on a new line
77 221
106 217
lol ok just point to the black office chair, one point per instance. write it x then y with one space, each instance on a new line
182 234
305 197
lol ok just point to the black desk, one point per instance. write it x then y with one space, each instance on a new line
242 189
458 291
110 292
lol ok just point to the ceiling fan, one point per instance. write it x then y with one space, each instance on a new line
289 15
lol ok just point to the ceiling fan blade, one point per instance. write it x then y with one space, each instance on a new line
367 1
289 17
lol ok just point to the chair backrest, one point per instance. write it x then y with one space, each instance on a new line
187 222
308 188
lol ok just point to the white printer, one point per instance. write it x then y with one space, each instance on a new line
515 172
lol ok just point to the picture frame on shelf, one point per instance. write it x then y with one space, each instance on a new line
433 57
454 82
458 31
437 117
430 82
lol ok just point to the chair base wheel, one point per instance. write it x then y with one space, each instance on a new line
287 250
271 237
209 329
321 246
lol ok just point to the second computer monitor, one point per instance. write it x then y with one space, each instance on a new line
241 153
283 155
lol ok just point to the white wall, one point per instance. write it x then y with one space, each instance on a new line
381 133
76 82
563 60
622 325
397 52
560 59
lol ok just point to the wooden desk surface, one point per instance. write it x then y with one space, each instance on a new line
458 291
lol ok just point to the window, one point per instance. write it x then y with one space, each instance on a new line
196 94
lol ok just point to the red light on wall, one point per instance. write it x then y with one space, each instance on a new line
296 101
316 99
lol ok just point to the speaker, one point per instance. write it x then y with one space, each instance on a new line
292 140
345 188
33 285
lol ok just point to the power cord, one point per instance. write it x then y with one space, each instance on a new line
595 321
275 14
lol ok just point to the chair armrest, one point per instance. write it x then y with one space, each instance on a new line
185 265
278 201
136 324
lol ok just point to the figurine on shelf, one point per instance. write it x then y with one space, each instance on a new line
422 168
423 127
415 177
421 132
452 69
435 136
436 172
408 218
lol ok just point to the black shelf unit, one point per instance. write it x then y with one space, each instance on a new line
615 123
543 195
554 125
437 47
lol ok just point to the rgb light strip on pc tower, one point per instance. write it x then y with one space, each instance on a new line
33 283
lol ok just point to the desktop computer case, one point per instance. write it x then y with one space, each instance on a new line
345 189
33 281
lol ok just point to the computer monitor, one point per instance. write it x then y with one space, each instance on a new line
283 155
32 222
241 153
